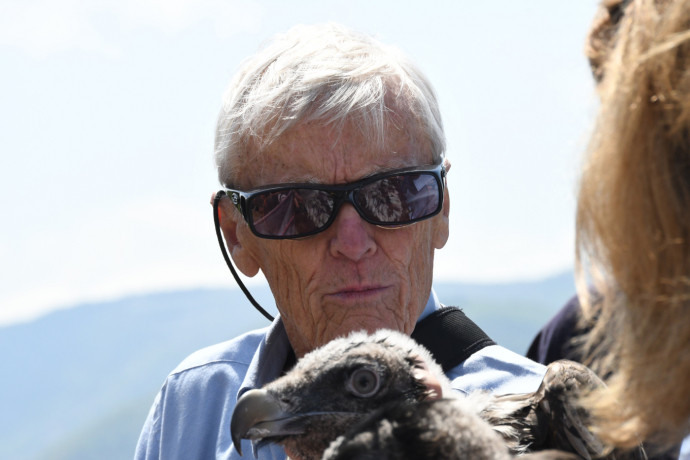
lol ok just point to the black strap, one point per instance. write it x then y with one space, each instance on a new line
450 336
216 222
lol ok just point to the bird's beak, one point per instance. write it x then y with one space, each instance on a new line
259 415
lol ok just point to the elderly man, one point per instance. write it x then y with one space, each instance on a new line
331 148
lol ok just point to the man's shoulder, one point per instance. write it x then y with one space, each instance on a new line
498 370
196 399
238 351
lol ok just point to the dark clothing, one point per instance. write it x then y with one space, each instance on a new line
554 342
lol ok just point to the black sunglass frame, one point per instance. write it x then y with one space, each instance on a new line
342 194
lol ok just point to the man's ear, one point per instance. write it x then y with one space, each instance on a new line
443 223
230 220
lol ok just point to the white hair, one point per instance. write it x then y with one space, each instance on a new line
326 73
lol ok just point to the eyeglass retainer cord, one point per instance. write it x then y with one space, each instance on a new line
216 221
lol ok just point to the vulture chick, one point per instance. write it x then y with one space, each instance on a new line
548 420
395 381
332 388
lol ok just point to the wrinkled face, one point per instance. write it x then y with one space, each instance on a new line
353 276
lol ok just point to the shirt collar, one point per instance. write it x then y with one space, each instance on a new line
431 305
269 358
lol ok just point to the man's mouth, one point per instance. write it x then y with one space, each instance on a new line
359 292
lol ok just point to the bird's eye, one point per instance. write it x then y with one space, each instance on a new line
364 383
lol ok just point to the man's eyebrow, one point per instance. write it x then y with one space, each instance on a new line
382 170
311 179
399 164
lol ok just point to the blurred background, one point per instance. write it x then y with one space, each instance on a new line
109 269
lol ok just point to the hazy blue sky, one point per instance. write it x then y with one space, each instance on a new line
107 110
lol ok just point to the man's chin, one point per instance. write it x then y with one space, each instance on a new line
364 322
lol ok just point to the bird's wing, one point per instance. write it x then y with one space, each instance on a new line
551 418
556 403
514 417
557 397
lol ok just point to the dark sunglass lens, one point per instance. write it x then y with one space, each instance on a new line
399 199
291 212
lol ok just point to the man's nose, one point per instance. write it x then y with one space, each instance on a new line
353 237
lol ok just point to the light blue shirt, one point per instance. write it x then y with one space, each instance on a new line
190 417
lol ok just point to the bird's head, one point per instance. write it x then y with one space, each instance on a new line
335 386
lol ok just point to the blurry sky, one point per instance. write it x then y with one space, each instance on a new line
107 110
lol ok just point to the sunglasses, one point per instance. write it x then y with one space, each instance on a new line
392 199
